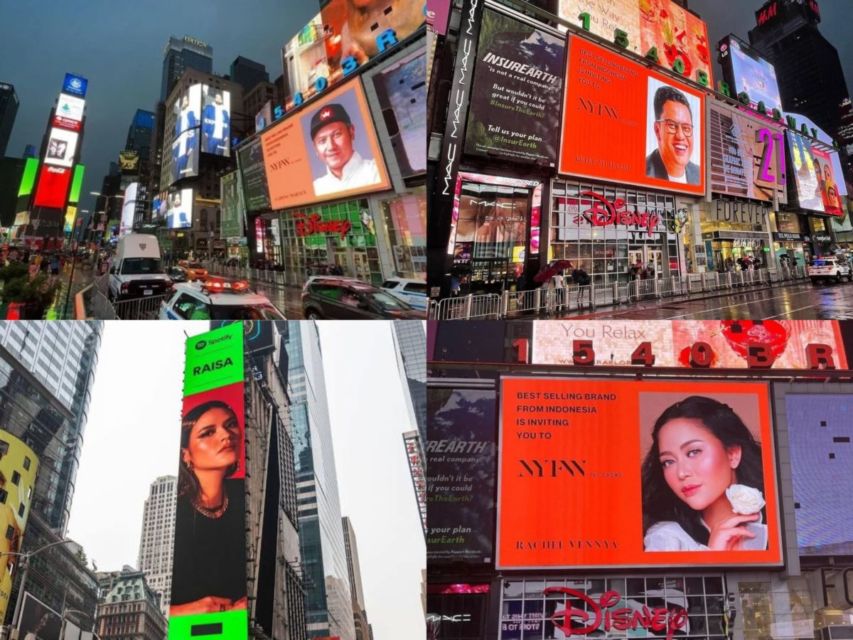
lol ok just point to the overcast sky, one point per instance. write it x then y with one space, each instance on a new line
118 46
132 437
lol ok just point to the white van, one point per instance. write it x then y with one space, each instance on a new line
137 270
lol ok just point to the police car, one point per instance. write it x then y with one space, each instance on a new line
217 299
412 292
829 268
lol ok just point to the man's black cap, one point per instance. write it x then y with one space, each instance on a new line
327 115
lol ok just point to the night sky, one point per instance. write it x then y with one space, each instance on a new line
118 46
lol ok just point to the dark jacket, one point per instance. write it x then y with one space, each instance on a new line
655 168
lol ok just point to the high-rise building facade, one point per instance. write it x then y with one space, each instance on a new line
156 542
359 613
8 110
410 338
811 79
328 602
181 54
247 73
128 607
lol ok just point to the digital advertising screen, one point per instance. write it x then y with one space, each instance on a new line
251 160
402 92
61 147
186 110
210 531
231 224
325 152
70 108
305 60
215 121
692 482
263 118
159 206
38 620
725 344
128 208
820 430
803 163
830 181
751 74
517 91
747 155
185 156
179 209
76 85
674 33
629 124
52 188
461 470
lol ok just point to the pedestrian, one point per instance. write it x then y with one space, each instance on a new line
454 284
582 279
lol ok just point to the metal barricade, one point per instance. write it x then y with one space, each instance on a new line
147 308
710 281
640 289
469 307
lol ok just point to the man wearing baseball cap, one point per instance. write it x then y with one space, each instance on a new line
333 133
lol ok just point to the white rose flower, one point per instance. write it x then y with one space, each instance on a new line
745 500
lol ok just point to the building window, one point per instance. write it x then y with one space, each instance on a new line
3 495
10 532
26 463
16 478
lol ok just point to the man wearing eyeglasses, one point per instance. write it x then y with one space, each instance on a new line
674 132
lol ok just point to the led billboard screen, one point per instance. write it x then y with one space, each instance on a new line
402 92
159 206
820 432
629 124
518 87
75 84
747 155
52 188
305 59
70 108
61 147
691 483
326 152
77 183
179 209
255 190
216 121
725 343
231 224
751 74
830 181
185 156
128 208
210 539
674 33
186 109
807 184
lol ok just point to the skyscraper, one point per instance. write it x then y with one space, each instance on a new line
128 606
328 602
8 110
410 338
811 79
180 55
247 73
140 133
362 629
157 537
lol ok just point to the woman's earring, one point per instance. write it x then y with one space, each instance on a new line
190 465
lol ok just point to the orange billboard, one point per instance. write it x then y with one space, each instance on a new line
625 123
328 151
618 473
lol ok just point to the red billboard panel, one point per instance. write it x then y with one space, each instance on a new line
52 189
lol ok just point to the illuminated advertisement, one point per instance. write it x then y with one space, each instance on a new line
75 84
70 216
128 161
179 209
751 74
677 38
215 121
518 87
128 209
438 15
692 482
159 206
460 464
52 187
17 461
254 178
61 146
829 181
70 108
231 225
186 109
803 164
263 118
185 156
819 435
747 155
209 584
720 344
629 124
305 60
325 152
402 92
77 183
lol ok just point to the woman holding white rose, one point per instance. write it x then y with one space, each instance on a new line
703 481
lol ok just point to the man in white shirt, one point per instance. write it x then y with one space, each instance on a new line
216 126
333 134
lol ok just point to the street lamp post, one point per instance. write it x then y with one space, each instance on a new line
73 262
78 612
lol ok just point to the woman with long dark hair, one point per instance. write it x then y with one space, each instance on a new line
703 481
209 571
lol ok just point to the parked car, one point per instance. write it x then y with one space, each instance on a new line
412 292
337 297
829 268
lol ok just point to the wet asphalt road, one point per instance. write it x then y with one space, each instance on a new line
793 302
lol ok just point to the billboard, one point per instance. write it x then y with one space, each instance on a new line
61 147
77 183
184 156
186 109
326 152
402 92
128 208
263 118
629 124
210 540
518 87
128 161
304 59
807 185
52 188
159 206
747 155
719 344
70 108
254 178
819 436
749 73
75 84
460 462
179 209
17 462
691 483
830 180
215 121
38 620
231 224
679 38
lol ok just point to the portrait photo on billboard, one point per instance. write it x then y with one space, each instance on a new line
692 483
829 183
804 166
673 129
159 206
209 571
215 121
185 155
186 109
179 212
38 621
61 146
517 91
